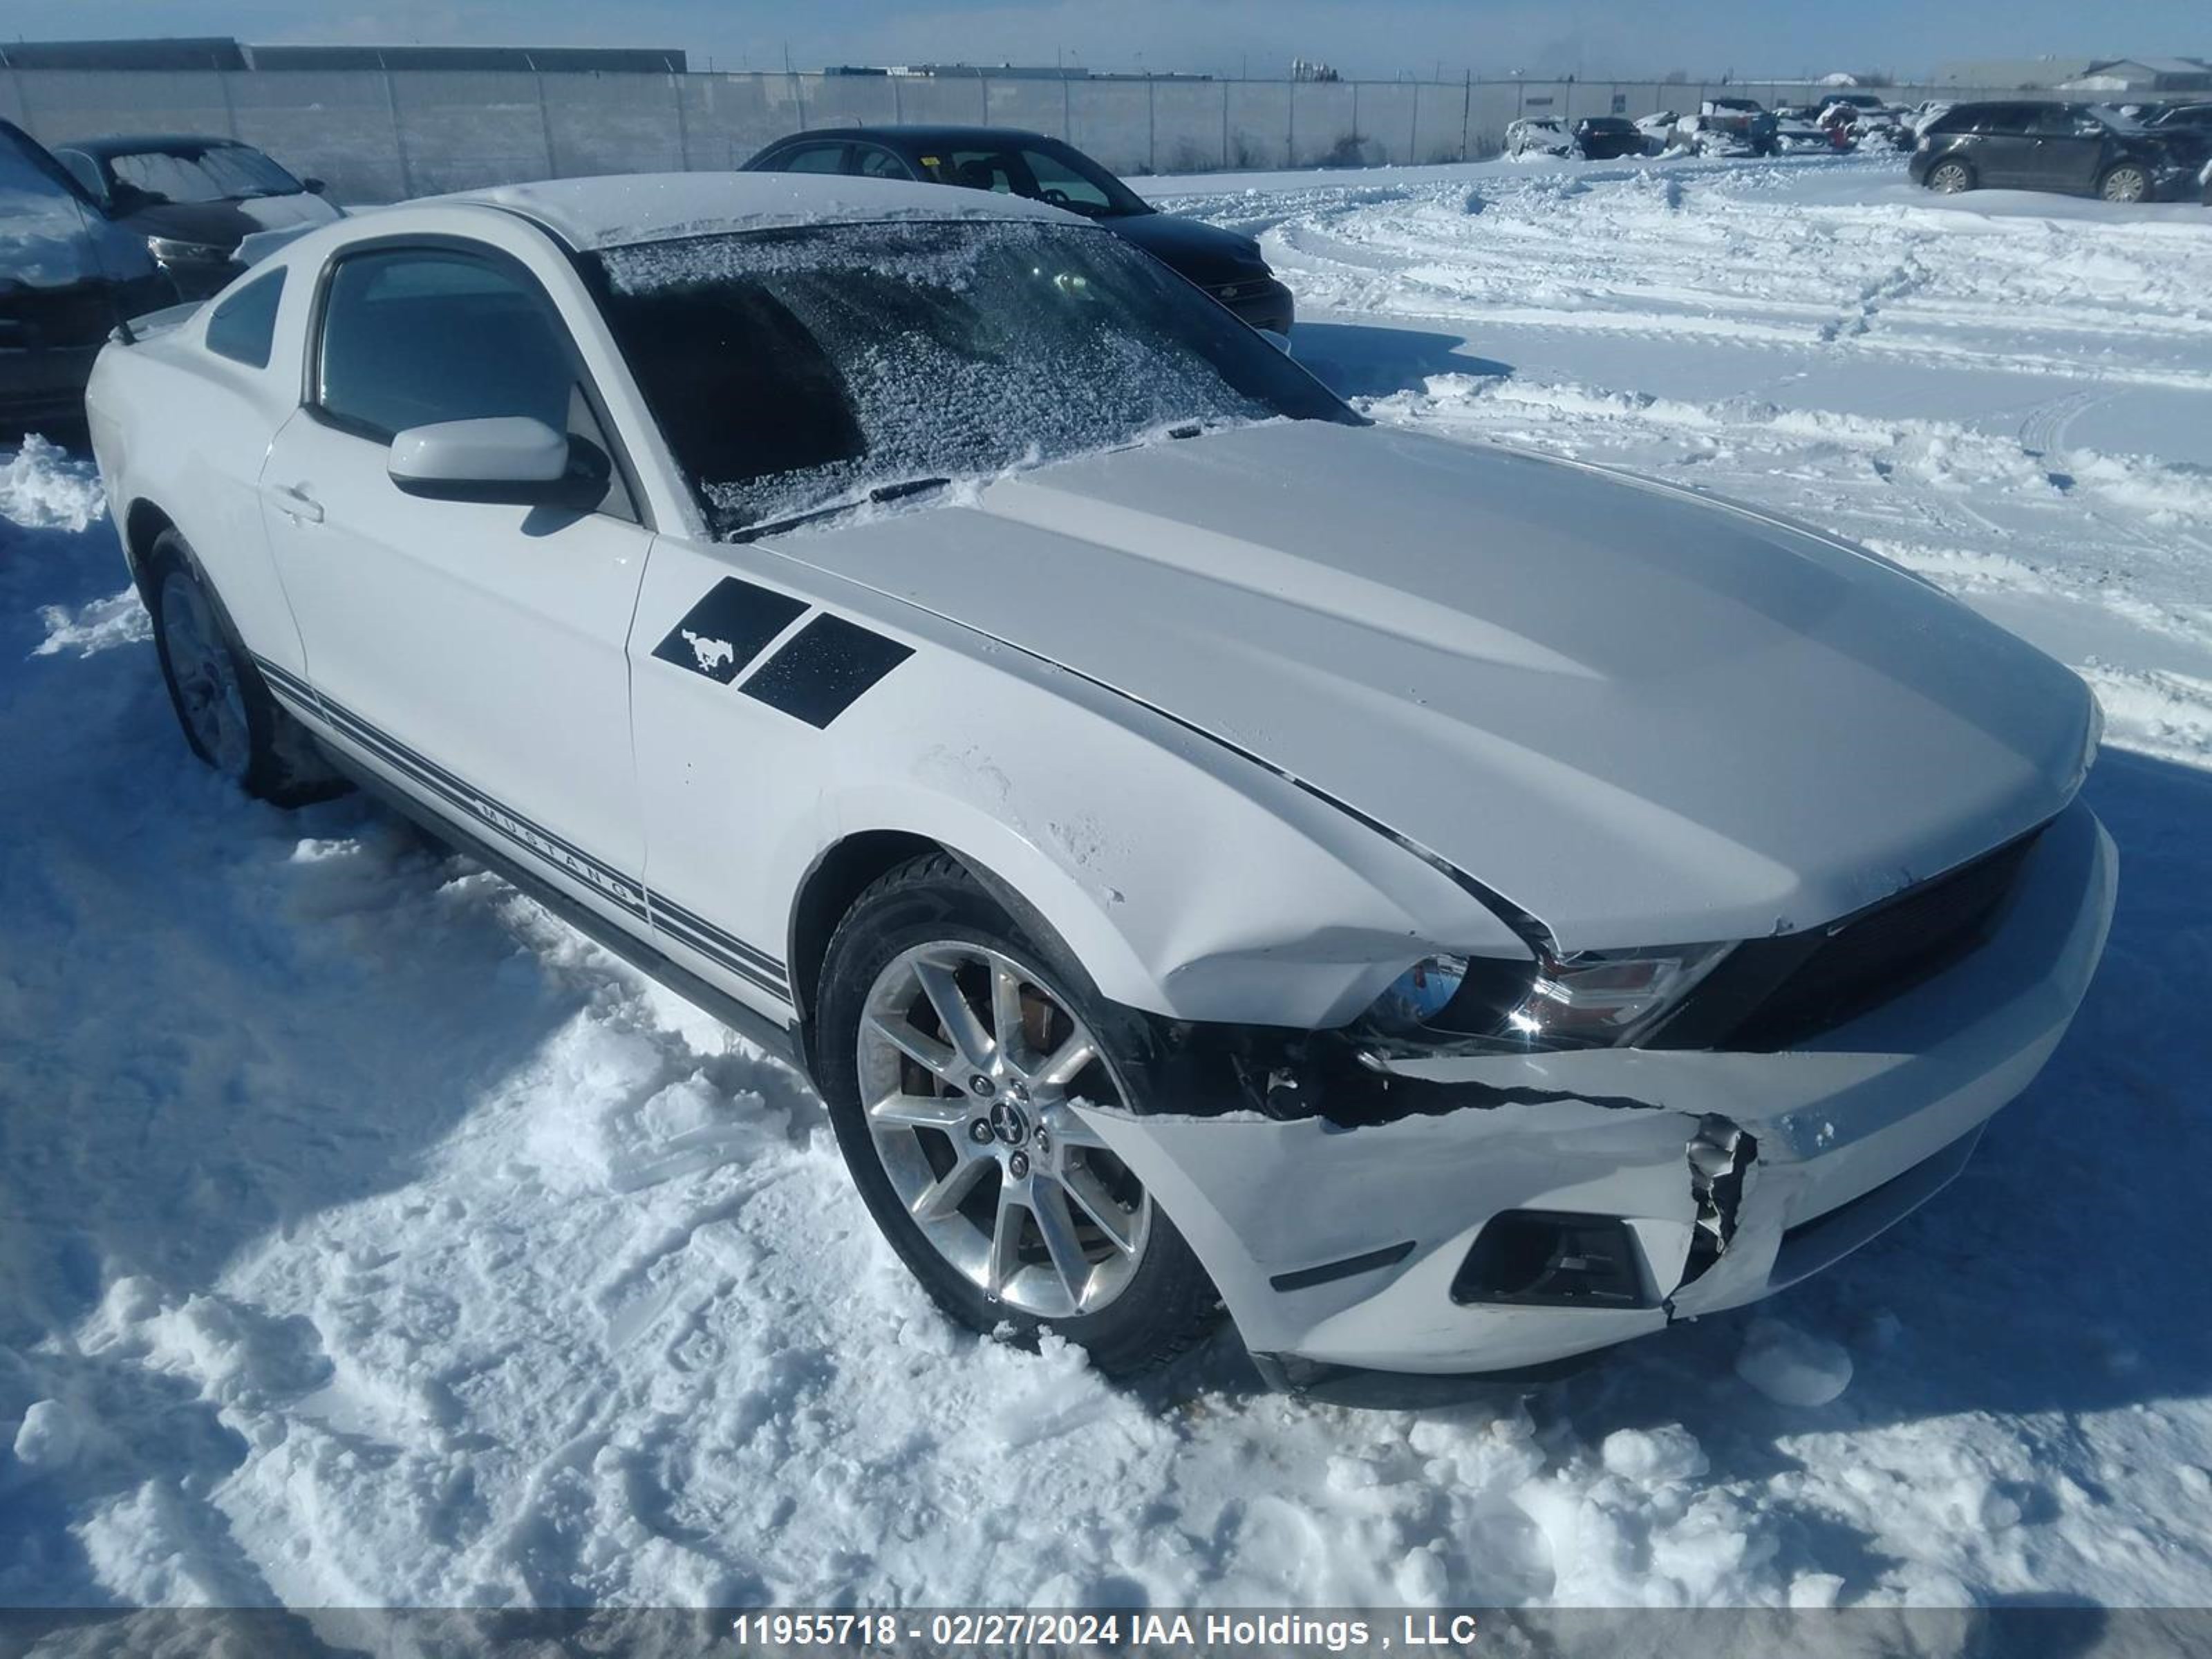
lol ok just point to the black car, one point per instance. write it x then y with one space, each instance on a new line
193 199
67 277
1226 264
1607 138
2071 147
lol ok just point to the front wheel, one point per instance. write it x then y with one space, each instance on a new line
958 1057
2125 183
1949 178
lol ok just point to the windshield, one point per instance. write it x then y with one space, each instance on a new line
222 173
793 370
1038 169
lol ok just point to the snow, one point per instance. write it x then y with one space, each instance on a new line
1792 1367
367 1238
638 208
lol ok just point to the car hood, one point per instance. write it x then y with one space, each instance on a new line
1206 254
1644 717
225 224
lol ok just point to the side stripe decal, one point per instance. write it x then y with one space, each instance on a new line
666 907
706 947
746 960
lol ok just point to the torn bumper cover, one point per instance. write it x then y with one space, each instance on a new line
1668 1183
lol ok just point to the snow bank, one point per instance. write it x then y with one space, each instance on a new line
42 487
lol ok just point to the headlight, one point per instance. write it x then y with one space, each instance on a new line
173 252
1601 999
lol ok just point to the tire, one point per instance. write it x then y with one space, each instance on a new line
229 717
1949 176
996 1157
2125 183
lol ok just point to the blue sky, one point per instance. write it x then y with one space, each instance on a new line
1370 38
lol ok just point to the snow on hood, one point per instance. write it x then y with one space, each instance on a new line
1644 717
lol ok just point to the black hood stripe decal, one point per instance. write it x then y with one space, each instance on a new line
824 669
819 672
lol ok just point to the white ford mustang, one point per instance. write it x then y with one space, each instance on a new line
1458 909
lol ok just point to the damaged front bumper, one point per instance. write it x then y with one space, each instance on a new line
1731 1175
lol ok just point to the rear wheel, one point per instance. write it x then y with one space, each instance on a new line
228 716
959 1056
1949 178
2124 183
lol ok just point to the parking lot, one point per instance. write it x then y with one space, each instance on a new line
390 1243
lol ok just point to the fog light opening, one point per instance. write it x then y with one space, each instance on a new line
1544 1258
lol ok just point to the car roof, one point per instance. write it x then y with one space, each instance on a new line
901 133
134 143
658 207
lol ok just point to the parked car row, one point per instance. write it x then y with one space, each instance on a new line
1719 127
2125 153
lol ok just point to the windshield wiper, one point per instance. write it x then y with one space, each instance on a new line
881 493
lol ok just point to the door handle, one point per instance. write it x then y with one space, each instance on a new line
296 503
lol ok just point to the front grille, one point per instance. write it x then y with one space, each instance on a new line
1776 993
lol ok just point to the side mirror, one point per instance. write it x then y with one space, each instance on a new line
313 187
508 458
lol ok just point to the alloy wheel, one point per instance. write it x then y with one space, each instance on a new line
2125 184
970 1069
209 693
1949 178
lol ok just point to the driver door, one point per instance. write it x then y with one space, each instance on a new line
471 651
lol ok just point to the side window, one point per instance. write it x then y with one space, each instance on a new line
412 337
810 158
2056 119
2004 120
1058 178
874 163
978 169
243 328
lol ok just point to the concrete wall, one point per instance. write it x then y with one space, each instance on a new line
378 136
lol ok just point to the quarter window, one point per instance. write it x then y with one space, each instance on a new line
243 328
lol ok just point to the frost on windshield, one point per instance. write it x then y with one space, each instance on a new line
792 370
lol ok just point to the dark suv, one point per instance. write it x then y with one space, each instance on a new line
2057 147
1224 263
